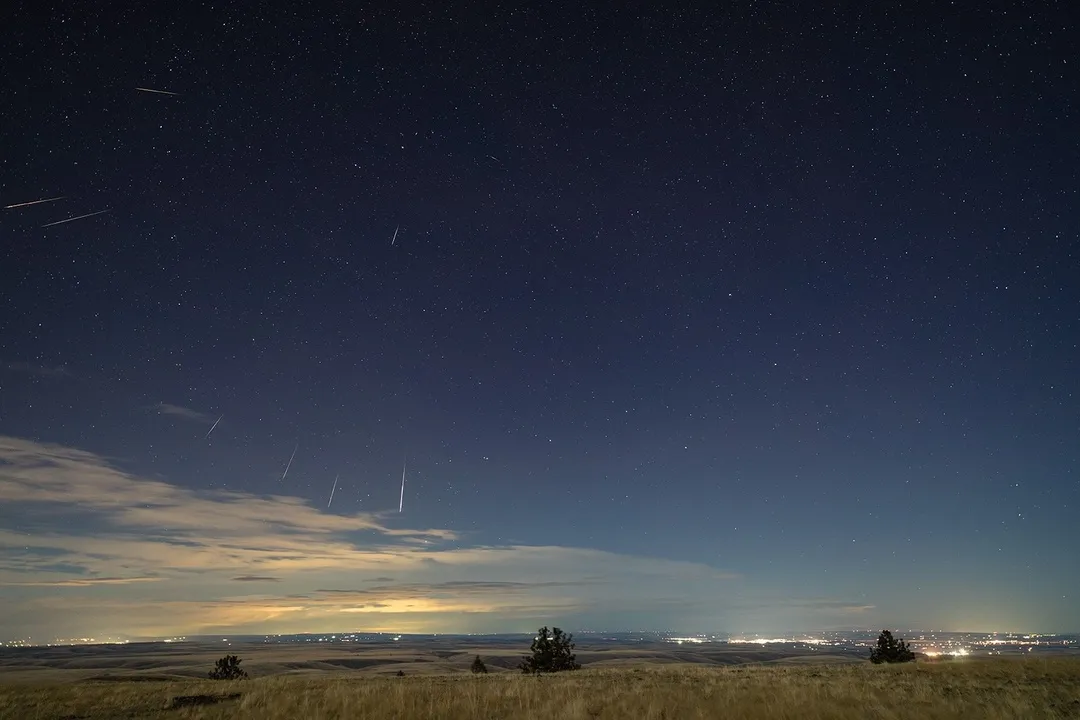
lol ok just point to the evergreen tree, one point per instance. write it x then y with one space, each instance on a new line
228 668
890 650
478 666
551 652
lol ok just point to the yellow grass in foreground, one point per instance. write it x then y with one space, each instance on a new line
989 689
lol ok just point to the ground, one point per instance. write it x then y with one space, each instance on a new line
992 689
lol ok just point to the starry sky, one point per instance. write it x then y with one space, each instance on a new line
741 317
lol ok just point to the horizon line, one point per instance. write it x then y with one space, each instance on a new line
777 636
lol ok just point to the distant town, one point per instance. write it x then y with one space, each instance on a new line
930 643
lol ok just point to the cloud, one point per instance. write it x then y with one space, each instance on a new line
183 412
458 587
768 613
818 605
842 607
244 527
84 582
146 558
39 370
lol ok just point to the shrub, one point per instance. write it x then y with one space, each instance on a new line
228 668
551 652
889 650
478 666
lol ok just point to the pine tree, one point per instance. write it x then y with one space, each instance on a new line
228 668
478 666
889 650
551 652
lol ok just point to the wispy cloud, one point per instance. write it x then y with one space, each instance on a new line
842 607
146 557
458 587
183 412
58 371
244 528
84 582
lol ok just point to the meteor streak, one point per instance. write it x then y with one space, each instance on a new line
332 492
33 202
290 462
401 501
214 426
159 92
80 217
394 239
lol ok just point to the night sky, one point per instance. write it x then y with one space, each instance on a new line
743 317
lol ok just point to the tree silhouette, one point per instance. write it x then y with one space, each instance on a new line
890 650
228 668
478 666
551 652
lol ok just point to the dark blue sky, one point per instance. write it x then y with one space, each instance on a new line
752 318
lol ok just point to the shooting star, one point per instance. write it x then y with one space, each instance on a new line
213 426
332 492
401 501
290 462
394 239
33 202
80 217
159 92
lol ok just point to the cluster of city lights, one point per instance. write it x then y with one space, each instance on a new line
955 653
930 644
743 641
29 642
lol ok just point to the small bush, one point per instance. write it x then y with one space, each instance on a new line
551 652
889 650
478 666
228 668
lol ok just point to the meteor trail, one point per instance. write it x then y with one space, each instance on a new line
290 462
214 426
159 92
394 239
332 492
33 202
401 501
80 217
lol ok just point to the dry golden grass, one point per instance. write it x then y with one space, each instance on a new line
991 689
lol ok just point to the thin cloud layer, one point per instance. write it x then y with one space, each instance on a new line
34 472
84 582
133 556
58 371
182 412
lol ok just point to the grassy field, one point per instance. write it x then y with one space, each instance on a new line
990 689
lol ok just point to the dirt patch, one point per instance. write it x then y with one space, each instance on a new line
192 700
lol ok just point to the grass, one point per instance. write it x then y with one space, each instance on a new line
990 689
